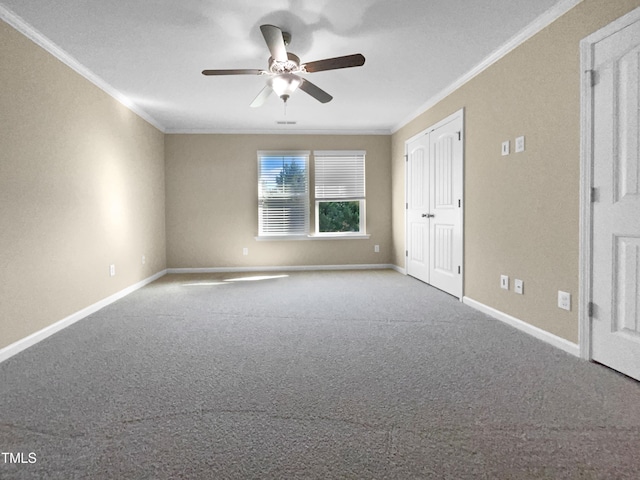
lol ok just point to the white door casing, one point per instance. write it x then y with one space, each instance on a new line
611 157
434 205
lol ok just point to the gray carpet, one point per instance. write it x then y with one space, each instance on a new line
354 374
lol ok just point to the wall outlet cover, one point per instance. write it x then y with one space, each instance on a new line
520 144
518 286
564 300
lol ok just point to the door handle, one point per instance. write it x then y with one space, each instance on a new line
428 215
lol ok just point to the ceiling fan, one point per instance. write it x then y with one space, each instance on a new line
284 69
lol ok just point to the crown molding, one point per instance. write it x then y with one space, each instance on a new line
39 39
213 131
525 34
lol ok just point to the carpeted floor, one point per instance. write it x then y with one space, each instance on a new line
310 375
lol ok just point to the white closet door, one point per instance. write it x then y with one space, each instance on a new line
418 208
434 206
445 231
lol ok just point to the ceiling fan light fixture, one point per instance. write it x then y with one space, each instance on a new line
284 84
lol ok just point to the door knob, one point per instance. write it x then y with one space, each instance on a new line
428 215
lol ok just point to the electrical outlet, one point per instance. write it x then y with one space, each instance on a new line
520 144
564 300
245 251
504 282
112 270
505 148
518 286
376 248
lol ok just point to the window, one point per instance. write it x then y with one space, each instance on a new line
283 193
339 192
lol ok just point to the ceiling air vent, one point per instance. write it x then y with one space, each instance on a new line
282 122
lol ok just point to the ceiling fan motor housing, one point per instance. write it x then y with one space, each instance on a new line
292 64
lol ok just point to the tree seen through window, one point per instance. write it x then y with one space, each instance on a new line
339 216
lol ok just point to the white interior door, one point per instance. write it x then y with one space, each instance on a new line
418 208
615 334
445 199
434 205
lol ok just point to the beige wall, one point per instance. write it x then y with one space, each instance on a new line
81 187
212 202
522 210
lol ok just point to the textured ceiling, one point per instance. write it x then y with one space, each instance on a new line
151 52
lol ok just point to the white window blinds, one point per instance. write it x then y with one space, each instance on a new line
283 193
339 175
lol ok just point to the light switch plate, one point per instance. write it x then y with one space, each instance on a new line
520 144
505 148
504 282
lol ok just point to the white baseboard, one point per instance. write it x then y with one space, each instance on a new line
26 342
398 269
375 266
540 334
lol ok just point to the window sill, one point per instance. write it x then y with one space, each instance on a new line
318 236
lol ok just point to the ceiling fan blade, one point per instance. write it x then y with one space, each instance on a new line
262 97
314 91
245 71
347 61
273 36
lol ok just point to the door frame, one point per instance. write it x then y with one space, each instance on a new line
454 116
586 176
